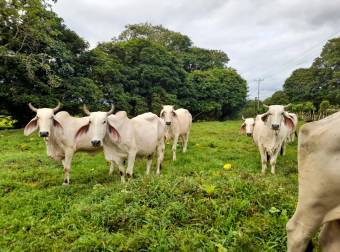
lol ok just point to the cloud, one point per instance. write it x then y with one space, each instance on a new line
263 39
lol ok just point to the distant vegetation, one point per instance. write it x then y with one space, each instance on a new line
144 67
314 91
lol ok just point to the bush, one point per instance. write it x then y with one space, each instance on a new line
6 122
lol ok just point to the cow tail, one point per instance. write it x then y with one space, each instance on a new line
296 134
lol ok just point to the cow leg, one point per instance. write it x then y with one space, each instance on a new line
273 159
283 147
174 146
301 228
186 139
329 236
160 155
263 159
121 167
131 163
67 166
148 164
112 167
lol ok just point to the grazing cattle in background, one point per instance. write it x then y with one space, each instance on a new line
59 132
248 126
270 133
178 124
125 139
319 186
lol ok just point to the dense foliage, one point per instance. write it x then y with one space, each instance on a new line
317 84
42 61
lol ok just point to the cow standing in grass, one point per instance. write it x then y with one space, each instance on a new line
59 132
178 124
247 126
319 187
270 134
125 139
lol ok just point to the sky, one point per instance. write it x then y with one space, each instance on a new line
264 39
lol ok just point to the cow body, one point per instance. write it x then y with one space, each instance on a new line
319 187
270 133
59 132
178 124
125 139
141 136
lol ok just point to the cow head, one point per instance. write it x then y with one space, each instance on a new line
275 115
44 121
248 126
99 123
167 114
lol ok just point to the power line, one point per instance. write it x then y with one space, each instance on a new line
298 59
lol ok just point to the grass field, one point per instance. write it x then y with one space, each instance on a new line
195 205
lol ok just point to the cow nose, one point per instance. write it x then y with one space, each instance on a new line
44 133
249 134
275 126
168 123
95 143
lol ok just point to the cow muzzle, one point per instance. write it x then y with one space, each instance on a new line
95 143
249 134
168 123
275 126
43 133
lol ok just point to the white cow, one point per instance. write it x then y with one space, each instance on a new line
178 124
59 132
247 126
125 139
270 133
319 187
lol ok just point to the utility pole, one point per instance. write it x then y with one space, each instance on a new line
258 92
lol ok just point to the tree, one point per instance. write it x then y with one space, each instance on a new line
214 93
39 57
278 98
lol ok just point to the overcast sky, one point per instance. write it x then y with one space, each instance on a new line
263 38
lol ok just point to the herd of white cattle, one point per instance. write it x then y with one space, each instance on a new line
122 139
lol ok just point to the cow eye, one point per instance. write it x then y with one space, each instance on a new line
104 122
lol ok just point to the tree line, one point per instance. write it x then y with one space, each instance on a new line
314 91
145 66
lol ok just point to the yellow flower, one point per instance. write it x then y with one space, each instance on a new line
227 166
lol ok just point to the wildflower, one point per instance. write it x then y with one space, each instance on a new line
227 166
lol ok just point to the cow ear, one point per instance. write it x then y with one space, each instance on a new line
288 121
264 117
161 114
31 126
243 129
83 130
113 132
57 125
